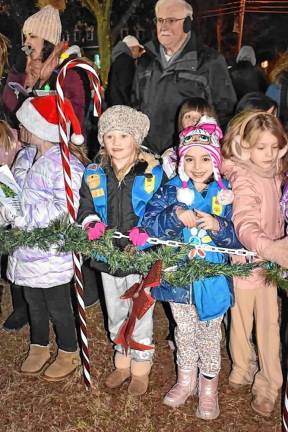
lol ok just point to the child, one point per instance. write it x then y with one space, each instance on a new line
254 146
114 193
189 115
256 101
45 275
192 110
193 207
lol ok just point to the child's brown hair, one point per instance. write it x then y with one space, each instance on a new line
194 104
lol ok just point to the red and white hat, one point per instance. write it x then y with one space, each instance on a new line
39 115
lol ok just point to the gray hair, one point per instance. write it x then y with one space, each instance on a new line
186 6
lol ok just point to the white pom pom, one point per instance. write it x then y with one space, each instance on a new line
225 196
77 139
185 195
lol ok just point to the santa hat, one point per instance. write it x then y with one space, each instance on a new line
39 115
207 135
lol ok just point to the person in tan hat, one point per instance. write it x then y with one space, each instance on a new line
114 194
121 74
36 68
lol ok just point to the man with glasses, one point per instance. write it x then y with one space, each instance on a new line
174 68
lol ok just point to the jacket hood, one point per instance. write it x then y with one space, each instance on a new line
246 53
152 48
120 48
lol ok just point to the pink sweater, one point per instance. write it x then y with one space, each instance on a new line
257 215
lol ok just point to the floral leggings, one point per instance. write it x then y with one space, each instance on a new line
198 342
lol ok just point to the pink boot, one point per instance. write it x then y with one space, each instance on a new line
185 387
208 408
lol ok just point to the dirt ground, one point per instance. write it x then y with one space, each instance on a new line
33 405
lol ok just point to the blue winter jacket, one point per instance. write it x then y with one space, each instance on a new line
211 296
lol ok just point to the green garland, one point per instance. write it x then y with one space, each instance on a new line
68 237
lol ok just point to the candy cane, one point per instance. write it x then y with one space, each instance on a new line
64 145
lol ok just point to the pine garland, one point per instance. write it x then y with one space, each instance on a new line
67 237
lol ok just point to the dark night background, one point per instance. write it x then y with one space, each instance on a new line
267 33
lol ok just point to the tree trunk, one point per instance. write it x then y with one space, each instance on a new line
103 36
219 32
102 12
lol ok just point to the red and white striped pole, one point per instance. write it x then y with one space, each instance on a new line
65 153
285 412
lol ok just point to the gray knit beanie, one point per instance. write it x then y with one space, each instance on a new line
124 119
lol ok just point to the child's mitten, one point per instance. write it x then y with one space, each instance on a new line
95 230
137 237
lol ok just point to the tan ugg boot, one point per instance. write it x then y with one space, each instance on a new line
121 373
140 371
63 366
38 357
262 405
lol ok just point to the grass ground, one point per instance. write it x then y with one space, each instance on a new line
33 405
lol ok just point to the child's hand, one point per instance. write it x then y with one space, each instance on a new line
187 217
206 221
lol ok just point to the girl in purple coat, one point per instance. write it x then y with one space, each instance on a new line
45 275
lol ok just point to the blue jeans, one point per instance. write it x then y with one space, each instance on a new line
55 304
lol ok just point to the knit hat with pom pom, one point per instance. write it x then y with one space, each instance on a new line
46 23
206 134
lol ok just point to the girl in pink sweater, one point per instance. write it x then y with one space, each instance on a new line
255 149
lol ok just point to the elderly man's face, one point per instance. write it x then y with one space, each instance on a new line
170 32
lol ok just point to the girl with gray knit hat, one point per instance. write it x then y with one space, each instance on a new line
114 194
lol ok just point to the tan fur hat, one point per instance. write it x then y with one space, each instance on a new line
46 23
124 119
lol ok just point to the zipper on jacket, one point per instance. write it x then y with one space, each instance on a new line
190 294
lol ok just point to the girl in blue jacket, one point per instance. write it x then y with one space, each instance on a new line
194 207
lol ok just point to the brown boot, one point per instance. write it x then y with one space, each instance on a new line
38 357
140 371
121 373
63 366
262 405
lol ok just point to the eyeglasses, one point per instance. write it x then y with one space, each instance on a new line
169 21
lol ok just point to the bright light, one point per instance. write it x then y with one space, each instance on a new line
264 64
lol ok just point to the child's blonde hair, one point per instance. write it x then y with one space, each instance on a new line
194 104
244 129
8 140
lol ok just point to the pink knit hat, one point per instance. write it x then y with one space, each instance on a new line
207 135
46 22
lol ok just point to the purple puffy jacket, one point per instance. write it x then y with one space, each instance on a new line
43 200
